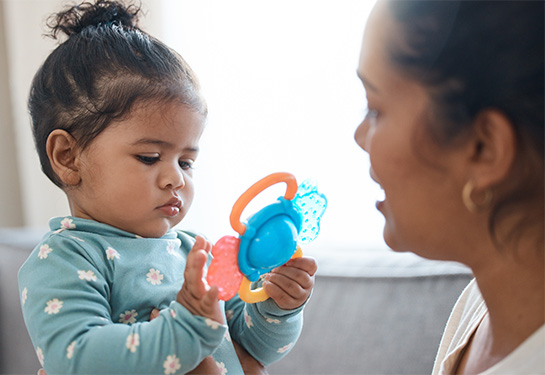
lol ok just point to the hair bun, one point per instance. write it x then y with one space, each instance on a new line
102 12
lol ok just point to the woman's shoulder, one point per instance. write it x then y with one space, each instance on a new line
528 358
470 301
466 315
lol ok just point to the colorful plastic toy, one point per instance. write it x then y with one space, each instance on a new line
268 239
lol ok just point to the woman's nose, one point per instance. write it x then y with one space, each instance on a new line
361 135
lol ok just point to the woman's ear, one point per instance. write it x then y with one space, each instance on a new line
63 155
493 149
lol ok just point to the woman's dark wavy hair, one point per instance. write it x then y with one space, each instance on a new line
105 66
477 55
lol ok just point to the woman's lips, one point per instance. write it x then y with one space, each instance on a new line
380 201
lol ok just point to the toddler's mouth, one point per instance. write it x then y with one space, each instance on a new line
172 207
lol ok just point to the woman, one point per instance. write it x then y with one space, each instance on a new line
454 133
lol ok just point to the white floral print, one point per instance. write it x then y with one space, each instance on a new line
133 341
129 317
112 254
285 348
87 275
70 350
173 313
44 251
172 364
154 277
227 336
67 223
40 355
172 246
211 323
222 368
273 321
229 314
248 319
24 295
53 306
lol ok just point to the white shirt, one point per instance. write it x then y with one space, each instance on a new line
467 315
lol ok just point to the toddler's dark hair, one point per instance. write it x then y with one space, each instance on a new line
105 66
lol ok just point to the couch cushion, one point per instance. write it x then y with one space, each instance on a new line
374 312
373 325
17 355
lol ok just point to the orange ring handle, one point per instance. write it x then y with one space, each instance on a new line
255 189
249 295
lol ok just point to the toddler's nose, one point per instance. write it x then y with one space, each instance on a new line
173 178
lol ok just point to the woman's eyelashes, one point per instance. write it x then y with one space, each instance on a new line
371 115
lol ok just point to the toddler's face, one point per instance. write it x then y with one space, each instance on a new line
137 174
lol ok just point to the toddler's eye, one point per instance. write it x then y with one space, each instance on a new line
148 159
185 164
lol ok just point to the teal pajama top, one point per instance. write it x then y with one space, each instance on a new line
87 291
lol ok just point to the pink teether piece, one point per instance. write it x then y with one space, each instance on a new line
223 271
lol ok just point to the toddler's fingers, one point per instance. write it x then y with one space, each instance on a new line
211 296
283 299
154 314
207 247
307 264
288 286
202 244
194 272
293 275
211 305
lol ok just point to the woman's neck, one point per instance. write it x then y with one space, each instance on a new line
512 284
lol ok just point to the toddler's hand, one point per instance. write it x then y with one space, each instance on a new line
196 295
290 285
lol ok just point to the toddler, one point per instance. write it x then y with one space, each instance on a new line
117 118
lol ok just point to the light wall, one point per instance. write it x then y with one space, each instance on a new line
27 197
280 81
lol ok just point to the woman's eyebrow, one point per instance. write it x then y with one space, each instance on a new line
368 85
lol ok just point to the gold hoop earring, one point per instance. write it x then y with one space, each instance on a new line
470 204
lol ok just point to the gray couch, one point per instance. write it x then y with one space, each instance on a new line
370 313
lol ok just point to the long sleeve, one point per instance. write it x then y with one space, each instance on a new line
267 332
67 294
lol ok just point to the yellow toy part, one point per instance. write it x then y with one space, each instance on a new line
249 295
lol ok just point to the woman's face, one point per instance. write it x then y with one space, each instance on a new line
421 182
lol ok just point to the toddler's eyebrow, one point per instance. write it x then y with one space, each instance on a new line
160 142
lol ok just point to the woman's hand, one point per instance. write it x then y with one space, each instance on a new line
290 285
196 296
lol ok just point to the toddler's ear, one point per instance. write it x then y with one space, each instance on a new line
63 152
